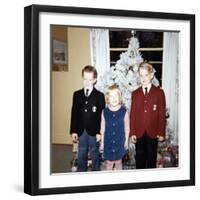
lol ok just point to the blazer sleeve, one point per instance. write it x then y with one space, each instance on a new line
101 107
162 110
132 116
74 114
102 102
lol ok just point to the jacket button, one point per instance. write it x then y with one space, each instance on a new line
85 110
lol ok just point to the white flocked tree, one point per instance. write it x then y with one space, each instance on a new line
125 72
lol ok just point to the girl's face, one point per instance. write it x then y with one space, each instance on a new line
88 79
145 76
113 98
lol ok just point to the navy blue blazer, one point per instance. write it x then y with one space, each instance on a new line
86 112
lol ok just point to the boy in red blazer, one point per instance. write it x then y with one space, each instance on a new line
147 118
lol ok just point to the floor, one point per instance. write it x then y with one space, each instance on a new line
63 159
62 156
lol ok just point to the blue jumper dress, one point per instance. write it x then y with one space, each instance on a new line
114 136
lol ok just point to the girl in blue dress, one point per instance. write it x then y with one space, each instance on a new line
114 129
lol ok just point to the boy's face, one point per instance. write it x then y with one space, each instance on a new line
113 98
88 79
145 76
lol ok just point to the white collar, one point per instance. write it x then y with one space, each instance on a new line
148 88
89 90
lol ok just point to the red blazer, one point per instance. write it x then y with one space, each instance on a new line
148 113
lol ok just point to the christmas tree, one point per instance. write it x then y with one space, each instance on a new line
125 72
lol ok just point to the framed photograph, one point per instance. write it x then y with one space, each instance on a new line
115 42
59 46
59 52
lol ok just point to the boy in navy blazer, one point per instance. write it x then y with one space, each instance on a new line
147 118
87 106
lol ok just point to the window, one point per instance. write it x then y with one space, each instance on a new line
151 47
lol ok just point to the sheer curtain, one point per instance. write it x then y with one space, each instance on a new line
100 52
170 79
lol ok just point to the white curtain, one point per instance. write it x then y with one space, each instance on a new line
170 79
100 51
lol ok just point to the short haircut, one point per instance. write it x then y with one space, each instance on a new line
147 66
90 69
110 89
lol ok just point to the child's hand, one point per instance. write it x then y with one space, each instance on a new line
134 138
74 137
160 138
98 137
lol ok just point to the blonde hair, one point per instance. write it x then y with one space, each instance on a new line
110 89
147 66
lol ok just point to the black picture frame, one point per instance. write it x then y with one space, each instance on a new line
32 104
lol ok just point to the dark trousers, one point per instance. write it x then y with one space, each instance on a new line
87 144
146 152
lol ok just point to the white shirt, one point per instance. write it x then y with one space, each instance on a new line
89 91
148 88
